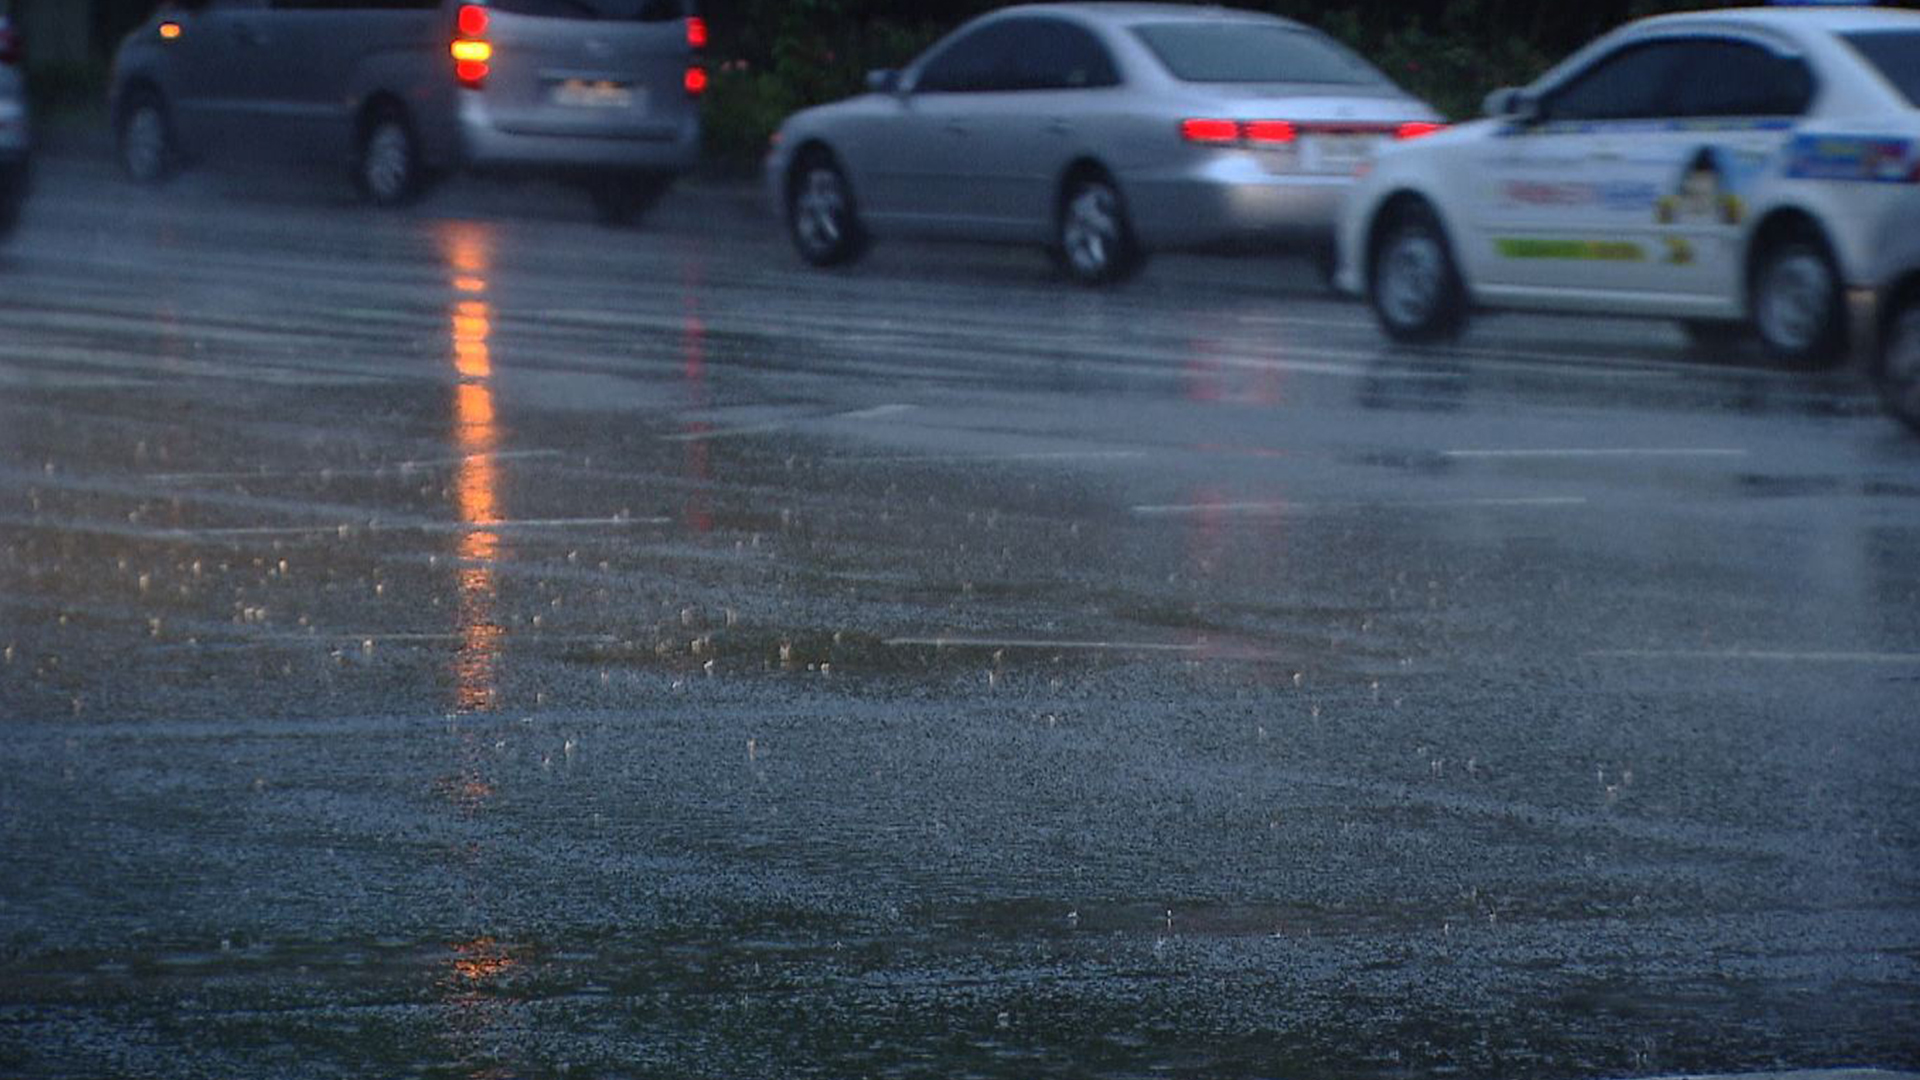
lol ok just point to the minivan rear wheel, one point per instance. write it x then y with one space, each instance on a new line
147 150
387 168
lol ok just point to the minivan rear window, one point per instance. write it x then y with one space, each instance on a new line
608 10
1247 52
1897 54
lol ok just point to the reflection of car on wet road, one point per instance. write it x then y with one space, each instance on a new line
604 91
1102 132
13 123
1717 168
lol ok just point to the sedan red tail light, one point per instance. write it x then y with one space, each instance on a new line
1210 131
1236 132
1269 132
1417 130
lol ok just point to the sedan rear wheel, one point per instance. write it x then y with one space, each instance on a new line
1899 371
821 217
1095 243
1415 290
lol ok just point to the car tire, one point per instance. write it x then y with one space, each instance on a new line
822 217
1413 284
625 199
148 150
387 165
1093 240
1897 371
1795 298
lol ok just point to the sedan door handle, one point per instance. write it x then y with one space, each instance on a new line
1058 126
248 35
954 127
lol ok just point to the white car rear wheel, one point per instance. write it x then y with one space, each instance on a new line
1899 369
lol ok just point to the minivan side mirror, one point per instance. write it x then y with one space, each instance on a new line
883 81
1512 103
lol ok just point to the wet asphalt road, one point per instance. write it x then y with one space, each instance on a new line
471 642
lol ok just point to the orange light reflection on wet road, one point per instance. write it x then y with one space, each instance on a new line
476 484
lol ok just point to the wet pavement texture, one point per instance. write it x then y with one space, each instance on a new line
470 642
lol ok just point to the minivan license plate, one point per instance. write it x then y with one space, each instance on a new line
593 94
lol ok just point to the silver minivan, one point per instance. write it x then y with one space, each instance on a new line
13 122
605 92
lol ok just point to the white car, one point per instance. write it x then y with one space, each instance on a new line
1724 167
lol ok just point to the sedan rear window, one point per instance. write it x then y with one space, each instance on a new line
1243 52
1897 54
610 10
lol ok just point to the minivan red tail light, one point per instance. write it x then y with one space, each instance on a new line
696 81
696 33
1417 130
472 52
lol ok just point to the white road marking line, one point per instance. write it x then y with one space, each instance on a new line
875 413
1311 507
1058 455
378 638
1758 655
377 470
1604 452
878 412
343 530
1014 643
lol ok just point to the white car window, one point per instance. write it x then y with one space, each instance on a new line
1633 83
1896 53
1738 78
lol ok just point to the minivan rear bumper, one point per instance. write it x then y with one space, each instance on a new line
485 145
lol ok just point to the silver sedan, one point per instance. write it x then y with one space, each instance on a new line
1101 131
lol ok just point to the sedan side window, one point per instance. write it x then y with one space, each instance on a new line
1631 84
1057 55
978 62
